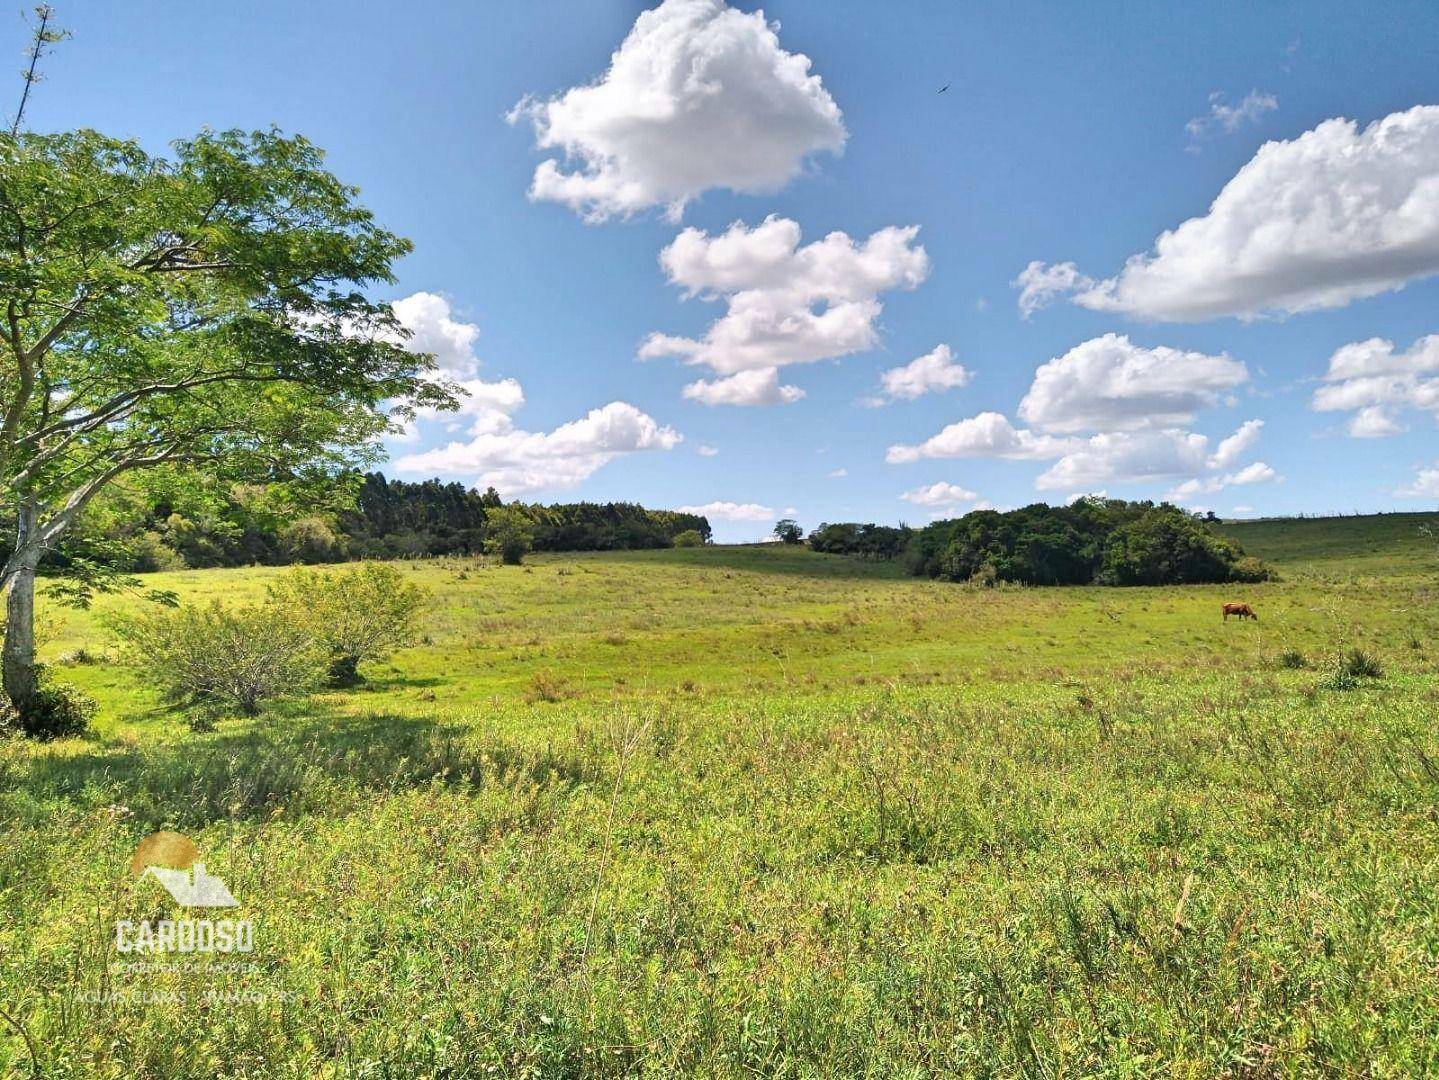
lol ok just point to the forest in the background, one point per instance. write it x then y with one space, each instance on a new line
1090 541
166 525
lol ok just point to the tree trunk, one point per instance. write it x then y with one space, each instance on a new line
17 666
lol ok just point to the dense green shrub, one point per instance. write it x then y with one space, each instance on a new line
1166 546
689 538
1361 664
357 614
311 540
217 659
57 711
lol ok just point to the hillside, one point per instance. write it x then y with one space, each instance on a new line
1373 543
758 811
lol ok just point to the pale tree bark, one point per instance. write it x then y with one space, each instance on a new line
17 665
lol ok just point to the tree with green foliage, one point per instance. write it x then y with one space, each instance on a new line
509 533
1166 546
787 531
202 310
1094 540
359 614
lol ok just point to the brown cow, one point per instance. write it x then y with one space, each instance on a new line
1243 611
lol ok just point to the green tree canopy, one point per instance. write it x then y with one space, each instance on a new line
203 309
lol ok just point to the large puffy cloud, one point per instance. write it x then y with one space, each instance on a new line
988 435
516 461
699 95
1337 214
932 373
1146 456
1123 456
731 511
433 328
1109 456
1109 383
496 452
785 304
758 387
1374 382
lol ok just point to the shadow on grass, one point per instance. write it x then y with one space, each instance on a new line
322 766
794 560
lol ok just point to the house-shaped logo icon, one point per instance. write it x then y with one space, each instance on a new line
200 890
174 861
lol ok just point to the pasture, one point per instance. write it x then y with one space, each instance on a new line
731 811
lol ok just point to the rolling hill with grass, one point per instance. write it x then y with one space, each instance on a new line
758 810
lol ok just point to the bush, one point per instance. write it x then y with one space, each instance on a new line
57 711
1165 546
311 540
1349 667
355 615
219 659
1250 571
1338 679
508 534
1292 659
986 577
689 538
1361 664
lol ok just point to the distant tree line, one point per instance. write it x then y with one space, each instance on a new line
165 526
1090 541
865 541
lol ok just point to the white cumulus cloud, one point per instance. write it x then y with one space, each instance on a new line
1109 383
932 373
516 462
785 304
1335 215
940 495
699 95
758 387
1376 382
1231 449
731 511
1256 473
433 328
988 435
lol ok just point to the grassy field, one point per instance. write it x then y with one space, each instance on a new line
739 811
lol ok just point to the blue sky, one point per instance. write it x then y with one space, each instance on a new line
1071 136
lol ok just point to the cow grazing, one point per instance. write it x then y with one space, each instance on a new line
1243 611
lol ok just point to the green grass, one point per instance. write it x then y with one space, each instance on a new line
1366 543
751 810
